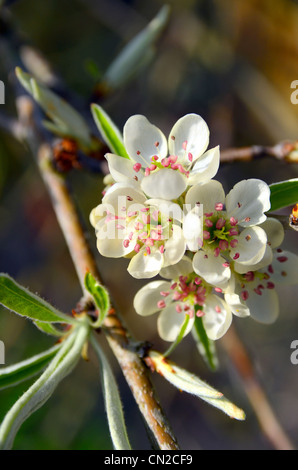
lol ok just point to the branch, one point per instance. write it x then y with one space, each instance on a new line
283 151
118 337
256 395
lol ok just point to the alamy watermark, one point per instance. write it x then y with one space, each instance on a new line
294 355
2 92
2 353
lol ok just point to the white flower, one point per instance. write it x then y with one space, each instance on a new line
186 294
165 169
125 226
230 228
254 292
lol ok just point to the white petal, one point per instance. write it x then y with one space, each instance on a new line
265 261
165 184
274 230
284 268
146 299
169 323
140 139
207 195
167 208
251 246
108 244
263 308
190 131
174 247
237 306
193 228
211 268
217 318
122 171
121 194
205 168
182 268
248 201
144 266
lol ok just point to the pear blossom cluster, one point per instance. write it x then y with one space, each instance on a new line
217 254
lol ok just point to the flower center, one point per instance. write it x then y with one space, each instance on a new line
219 233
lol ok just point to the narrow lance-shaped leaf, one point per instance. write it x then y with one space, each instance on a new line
62 364
283 194
67 122
23 302
17 373
205 346
109 131
100 296
112 400
184 380
49 329
137 52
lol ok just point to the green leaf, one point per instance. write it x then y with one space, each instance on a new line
112 400
60 366
100 296
25 303
67 121
205 346
109 131
283 194
49 329
137 52
13 375
184 380
179 337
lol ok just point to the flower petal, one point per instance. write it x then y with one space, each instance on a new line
122 170
165 184
274 230
169 323
190 134
146 299
263 308
265 261
182 268
206 195
167 208
140 139
284 268
217 318
144 266
174 247
205 168
193 228
237 306
211 269
109 243
121 194
247 202
251 246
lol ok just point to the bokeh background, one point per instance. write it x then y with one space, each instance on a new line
231 62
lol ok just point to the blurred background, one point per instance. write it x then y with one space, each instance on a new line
231 62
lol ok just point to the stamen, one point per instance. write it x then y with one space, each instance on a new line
233 221
190 157
137 167
217 309
178 308
184 145
219 206
244 295
161 304
126 243
282 259
237 255
270 285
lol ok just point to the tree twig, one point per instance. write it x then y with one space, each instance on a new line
282 151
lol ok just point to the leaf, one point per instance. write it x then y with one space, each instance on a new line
184 380
205 346
137 52
283 194
100 296
60 366
112 400
25 303
109 131
67 121
49 329
13 375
